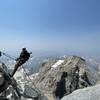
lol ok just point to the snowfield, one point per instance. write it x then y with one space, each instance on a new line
59 62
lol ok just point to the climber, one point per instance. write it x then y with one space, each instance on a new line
24 56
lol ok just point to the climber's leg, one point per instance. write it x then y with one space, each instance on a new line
18 64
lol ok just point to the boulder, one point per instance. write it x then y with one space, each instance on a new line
90 93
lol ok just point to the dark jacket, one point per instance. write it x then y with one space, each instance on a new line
24 55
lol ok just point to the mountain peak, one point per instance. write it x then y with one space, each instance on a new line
50 76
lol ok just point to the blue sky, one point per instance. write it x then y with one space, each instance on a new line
50 25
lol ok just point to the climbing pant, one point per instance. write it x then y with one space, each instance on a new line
18 64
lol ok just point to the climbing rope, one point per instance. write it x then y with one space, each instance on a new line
31 80
37 90
2 53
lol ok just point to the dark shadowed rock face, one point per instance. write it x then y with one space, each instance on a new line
49 80
61 86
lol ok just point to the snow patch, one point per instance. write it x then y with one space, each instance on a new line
59 62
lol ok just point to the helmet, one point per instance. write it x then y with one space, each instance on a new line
23 49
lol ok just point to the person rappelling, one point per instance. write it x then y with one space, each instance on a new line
24 56
7 79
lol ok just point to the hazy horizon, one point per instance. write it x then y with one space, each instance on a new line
51 27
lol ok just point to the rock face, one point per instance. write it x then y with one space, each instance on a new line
56 78
90 93
10 89
78 75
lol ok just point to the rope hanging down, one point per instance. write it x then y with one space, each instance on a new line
2 53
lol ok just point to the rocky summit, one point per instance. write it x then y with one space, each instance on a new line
90 93
66 78
59 77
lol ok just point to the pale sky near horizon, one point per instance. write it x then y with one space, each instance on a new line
50 25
